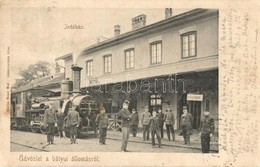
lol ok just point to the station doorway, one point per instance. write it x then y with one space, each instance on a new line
195 110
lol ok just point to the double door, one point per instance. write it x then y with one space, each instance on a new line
195 111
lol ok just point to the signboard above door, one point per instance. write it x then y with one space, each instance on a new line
194 97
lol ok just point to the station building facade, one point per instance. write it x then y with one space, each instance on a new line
167 64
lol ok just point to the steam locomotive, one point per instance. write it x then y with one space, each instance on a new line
28 106
33 118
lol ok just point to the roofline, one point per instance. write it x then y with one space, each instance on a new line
64 57
34 88
22 89
175 20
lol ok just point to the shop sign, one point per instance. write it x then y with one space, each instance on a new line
194 97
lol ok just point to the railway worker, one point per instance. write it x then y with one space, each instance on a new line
186 125
169 122
73 121
134 122
125 124
145 120
154 128
161 121
50 120
93 117
60 123
207 130
102 122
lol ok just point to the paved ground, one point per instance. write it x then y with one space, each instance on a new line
28 141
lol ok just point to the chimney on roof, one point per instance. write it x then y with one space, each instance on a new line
168 13
76 78
101 39
138 21
98 39
117 30
57 68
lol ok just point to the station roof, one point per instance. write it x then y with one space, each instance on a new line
48 82
153 28
69 55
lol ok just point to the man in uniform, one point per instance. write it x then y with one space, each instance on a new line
50 120
102 122
207 130
186 125
154 128
93 117
160 121
145 120
125 124
73 121
134 122
60 123
169 121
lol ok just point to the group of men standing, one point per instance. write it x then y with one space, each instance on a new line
129 122
154 124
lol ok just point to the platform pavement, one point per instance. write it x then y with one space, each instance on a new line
194 139
114 139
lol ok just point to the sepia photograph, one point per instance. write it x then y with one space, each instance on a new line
145 80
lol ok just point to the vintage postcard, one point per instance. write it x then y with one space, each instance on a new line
129 83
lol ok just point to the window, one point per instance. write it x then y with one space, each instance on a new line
189 45
155 102
89 68
129 58
107 64
156 52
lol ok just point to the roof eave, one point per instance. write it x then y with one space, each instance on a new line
176 20
64 57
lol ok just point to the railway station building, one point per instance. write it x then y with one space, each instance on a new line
167 64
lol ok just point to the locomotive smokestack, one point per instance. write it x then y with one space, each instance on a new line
66 88
76 78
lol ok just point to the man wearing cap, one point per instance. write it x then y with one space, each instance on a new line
169 121
154 128
145 121
207 130
125 124
102 121
60 123
73 121
134 122
186 125
50 120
